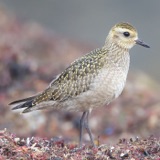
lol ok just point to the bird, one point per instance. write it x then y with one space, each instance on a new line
91 81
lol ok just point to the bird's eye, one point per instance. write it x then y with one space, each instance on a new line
126 34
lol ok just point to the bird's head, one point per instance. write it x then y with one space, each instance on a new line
125 36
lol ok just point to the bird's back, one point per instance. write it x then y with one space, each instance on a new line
70 84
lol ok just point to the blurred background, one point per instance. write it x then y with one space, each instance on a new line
89 22
40 38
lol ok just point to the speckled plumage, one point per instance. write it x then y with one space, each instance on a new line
91 81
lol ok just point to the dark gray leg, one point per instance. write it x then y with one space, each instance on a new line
88 129
84 122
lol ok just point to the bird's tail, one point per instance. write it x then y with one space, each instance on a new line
23 103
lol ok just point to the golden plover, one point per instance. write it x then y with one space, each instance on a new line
91 81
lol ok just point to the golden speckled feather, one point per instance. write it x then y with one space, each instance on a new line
76 79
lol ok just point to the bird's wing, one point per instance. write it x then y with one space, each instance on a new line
75 80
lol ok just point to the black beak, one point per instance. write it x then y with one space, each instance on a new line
139 42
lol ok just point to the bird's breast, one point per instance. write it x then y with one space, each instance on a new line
109 84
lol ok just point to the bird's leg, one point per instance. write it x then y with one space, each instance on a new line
82 120
88 128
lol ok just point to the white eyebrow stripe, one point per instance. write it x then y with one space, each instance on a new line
123 30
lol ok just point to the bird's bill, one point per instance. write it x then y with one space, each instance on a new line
140 42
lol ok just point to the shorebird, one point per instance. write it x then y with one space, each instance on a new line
94 80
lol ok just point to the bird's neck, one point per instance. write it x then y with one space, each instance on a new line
118 55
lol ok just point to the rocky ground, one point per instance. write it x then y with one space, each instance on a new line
30 56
